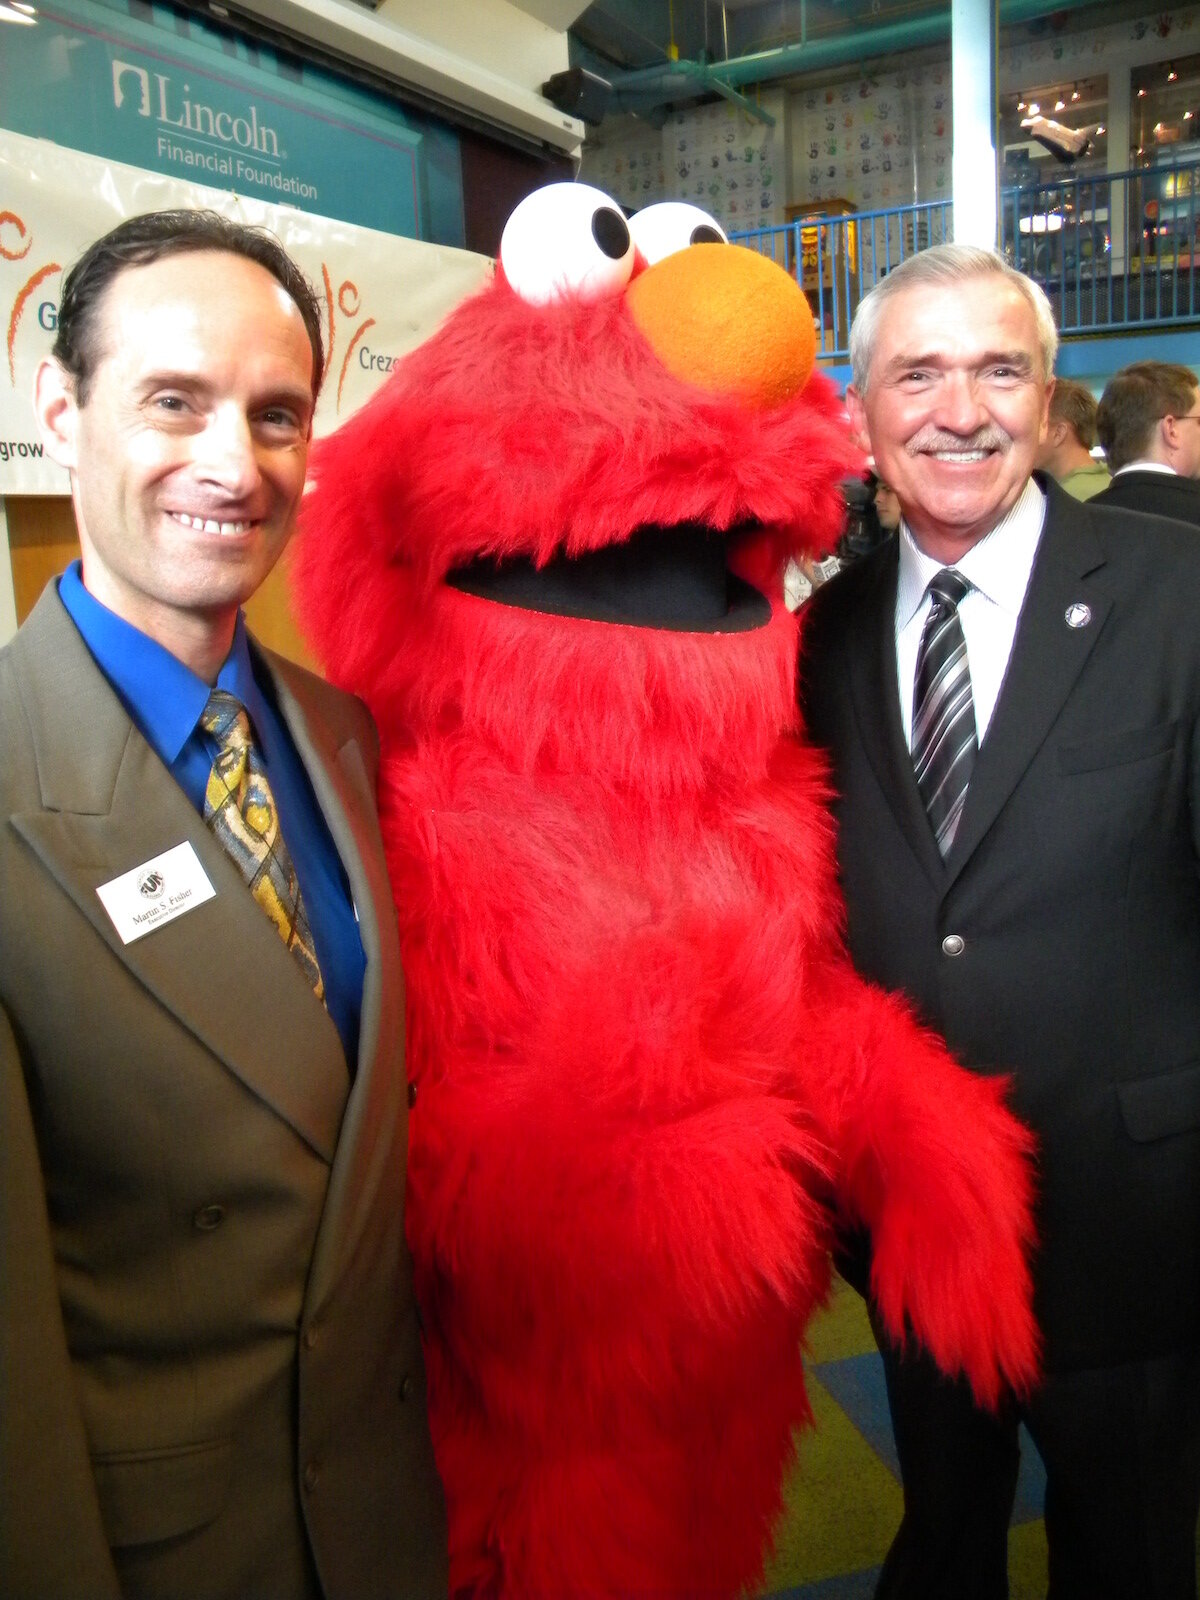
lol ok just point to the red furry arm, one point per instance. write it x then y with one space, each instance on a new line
941 1172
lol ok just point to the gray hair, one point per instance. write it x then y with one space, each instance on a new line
946 263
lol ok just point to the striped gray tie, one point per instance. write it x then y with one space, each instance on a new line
944 742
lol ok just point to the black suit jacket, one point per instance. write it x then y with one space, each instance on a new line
1072 884
1155 494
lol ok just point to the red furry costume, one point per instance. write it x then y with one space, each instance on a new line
647 1078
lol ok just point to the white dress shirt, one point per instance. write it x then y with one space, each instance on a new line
1146 466
998 569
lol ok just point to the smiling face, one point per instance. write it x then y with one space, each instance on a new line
188 456
955 406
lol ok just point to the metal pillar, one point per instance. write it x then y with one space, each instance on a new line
1120 157
974 28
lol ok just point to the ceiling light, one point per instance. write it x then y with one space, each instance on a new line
1020 105
1060 105
1100 128
1187 116
1074 94
8 14
1141 94
1033 108
1172 75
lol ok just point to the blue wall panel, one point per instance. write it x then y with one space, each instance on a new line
165 90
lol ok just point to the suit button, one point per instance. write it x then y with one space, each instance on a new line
953 944
311 1337
208 1218
312 1473
405 1386
412 1094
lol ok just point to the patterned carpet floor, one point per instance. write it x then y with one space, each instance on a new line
843 1499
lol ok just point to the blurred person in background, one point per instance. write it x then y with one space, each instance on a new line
887 506
1066 453
1149 424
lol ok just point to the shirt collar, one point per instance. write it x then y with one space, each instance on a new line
1146 466
162 696
998 566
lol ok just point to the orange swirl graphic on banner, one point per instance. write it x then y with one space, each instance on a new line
11 218
369 323
18 312
329 307
348 301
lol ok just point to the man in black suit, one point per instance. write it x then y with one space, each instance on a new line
1149 425
1031 884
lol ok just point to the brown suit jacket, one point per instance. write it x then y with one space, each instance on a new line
211 1379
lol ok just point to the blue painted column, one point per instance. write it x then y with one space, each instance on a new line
974 173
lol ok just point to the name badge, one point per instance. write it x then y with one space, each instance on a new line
161 889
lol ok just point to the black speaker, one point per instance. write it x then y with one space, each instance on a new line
580 94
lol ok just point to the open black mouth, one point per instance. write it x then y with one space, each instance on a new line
673 578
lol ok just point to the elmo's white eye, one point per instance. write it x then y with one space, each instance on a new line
567 238
672 225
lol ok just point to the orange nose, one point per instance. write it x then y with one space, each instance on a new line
727 319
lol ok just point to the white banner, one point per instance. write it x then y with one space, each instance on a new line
382 294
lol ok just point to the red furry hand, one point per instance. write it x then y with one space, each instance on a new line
941 1171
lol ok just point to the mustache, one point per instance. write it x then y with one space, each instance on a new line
991 437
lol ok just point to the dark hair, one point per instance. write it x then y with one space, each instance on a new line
1075 404
1135 400
137 242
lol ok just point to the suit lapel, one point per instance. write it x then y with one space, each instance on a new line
108 804
375 1110
1047 657
876 691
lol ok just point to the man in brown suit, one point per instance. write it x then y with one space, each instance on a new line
211 1380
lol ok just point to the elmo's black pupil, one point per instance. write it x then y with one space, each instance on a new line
705 233
610 232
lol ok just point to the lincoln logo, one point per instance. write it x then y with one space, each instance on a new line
152 885
162 102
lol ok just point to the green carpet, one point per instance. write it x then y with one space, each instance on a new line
843 1500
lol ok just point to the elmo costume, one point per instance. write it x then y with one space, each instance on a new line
645 1080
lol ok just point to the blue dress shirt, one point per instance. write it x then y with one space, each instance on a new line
165 699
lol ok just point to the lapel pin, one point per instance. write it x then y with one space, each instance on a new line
1078 615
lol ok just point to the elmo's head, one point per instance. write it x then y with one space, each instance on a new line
596 469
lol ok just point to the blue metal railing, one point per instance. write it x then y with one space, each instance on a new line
1113 251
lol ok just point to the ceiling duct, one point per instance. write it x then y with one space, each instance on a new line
345 30
687 80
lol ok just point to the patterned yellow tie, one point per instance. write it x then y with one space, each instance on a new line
240 809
